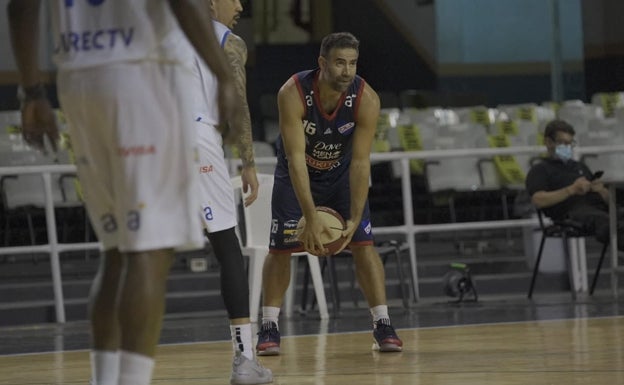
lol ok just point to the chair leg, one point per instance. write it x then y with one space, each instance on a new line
323 265
289 297
404 295
319 290
333 283
33 240
536 266
597 273
582 261
256 262
571 265
306 284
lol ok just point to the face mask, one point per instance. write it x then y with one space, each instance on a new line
563 152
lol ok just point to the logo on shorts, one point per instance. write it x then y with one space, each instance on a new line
290 231
206 169
367 227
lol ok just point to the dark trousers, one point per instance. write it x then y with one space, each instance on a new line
596 221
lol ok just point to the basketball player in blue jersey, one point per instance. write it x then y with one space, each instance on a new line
218 210
121 84
327 120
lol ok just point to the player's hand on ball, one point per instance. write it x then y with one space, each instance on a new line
347 234
311 235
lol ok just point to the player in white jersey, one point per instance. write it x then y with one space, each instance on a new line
119 77
218 208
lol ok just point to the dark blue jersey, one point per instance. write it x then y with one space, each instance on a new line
329 137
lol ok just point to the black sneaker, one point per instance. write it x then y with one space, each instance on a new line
268 340
386 339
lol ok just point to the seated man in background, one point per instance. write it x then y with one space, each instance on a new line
566 189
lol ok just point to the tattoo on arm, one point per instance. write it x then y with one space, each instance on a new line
236 52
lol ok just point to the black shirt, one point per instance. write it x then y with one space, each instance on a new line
553 174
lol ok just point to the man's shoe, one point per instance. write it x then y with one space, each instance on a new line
386 339
249 372
268 340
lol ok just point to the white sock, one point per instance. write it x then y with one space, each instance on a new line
379 312
241 339
135 369
104 367
270 314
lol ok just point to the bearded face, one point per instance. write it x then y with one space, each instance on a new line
339 68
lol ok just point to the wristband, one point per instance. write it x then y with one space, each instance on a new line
36 92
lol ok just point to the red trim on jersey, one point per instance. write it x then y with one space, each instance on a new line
358 98
317 99
301 94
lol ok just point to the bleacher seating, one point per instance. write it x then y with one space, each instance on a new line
483 187
433 128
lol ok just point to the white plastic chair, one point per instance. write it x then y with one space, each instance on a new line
257 218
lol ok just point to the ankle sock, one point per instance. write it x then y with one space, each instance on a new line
135 369
105 367
241 339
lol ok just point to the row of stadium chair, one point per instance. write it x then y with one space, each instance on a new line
598 123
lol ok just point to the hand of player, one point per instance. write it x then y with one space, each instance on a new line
347 234
39 122
310 236
250 183
581 186
596 185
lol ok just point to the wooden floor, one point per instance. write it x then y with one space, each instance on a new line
576 351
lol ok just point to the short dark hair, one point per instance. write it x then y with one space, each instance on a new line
339 40
558 126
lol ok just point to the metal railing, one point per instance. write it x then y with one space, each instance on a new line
53 247
409 229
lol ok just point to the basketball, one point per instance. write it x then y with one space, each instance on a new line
332 219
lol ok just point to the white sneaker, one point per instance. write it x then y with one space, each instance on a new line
249 372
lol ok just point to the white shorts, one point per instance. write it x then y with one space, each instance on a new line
216 192
135 153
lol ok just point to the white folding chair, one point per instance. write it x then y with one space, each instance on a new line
257 218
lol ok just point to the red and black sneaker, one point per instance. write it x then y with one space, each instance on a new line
268 340
386 339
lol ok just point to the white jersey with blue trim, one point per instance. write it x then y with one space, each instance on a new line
208 112
91 33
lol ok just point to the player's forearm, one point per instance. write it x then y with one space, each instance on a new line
359 174
242 123
236 52
23 18
300 180
543 199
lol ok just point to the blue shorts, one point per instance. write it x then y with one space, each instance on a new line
286 213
